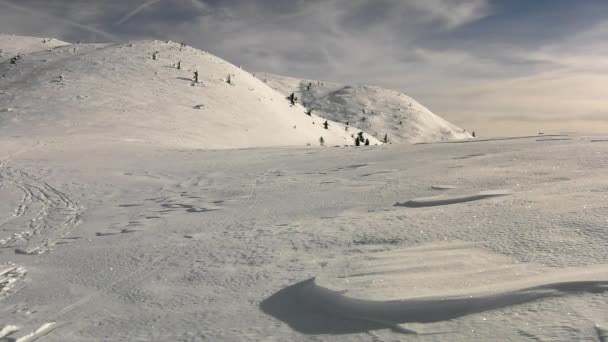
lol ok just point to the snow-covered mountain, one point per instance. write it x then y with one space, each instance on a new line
136 92
372 109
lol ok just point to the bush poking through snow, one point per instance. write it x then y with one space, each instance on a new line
360 135
292 99
16 59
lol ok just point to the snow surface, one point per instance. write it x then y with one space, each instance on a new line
119 92
122 241
373 109
119 228
11 46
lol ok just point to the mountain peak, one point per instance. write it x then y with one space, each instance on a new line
372 109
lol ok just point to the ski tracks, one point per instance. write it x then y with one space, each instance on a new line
52 214
166 256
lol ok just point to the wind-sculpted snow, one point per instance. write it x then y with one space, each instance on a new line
602 333
438 201
380 288
547 137
433 309
442 187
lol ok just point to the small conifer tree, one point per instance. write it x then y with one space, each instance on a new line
360 134
292 99
326 125
195 79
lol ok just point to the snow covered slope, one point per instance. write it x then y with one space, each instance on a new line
373 109
133 242
11 46
119 91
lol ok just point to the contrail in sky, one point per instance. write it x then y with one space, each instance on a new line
136 11
88 28
199 4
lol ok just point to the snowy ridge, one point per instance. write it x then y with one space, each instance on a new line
373 109
136 92
11 46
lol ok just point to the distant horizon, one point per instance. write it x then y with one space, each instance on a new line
499 68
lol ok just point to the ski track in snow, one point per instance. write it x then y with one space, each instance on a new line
53 218
147 270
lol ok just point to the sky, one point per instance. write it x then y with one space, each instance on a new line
497 67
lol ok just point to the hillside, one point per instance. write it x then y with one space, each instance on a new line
120 92
372 109
11 46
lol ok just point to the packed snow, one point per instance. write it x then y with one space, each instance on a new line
130 215
381 112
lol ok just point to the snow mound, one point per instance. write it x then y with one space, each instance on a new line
373 109
431 283
143 92
439 201
11 46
